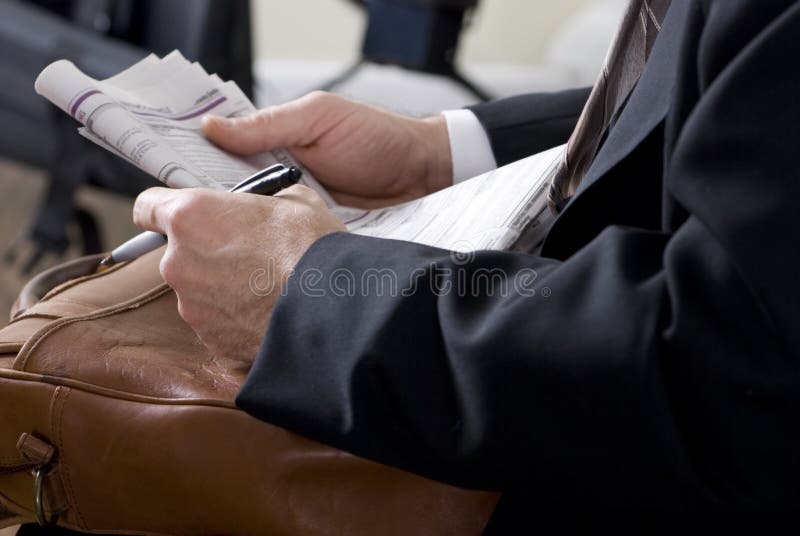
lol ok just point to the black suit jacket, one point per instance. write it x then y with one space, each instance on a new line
656 366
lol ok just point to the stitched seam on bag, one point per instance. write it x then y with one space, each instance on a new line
96 390
69 301
33 342
63 287
22 376
60 301
58 433
66 301
66 285
127 396
25 316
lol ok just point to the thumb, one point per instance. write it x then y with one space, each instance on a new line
285 126
241 135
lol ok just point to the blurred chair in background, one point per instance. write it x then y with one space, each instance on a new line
420 35
102 37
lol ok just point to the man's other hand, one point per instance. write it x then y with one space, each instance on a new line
366 157
229 254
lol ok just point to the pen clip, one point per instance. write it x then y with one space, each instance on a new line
257 176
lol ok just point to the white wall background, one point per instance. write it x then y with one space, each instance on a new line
503 31
511 46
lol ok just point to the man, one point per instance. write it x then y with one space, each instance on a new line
662 370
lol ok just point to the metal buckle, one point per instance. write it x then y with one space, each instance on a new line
38 498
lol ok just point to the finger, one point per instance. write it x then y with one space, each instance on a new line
369 203
294 124
151 209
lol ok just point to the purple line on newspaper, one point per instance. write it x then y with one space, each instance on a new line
190 115
79 101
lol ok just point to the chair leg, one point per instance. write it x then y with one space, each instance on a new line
47 235
468 84
90 231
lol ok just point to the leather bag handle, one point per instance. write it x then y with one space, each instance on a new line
40 285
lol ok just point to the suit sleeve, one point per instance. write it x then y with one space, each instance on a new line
647 370
528 124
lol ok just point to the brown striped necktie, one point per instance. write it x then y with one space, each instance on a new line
623 67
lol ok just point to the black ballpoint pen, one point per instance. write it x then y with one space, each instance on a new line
266 182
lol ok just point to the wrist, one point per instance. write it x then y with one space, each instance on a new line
438 158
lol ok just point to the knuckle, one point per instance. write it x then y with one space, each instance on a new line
304 199
189 313
184 209
170 269
178 213
142 209
318 95
304 192
318 99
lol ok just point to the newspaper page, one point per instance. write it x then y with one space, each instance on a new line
500 210
150 114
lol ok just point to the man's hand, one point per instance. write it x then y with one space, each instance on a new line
366 157
229 254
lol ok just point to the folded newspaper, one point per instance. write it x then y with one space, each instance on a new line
150 115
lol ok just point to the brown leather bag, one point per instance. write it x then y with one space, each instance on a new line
115 418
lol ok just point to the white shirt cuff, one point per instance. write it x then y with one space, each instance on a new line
470 148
